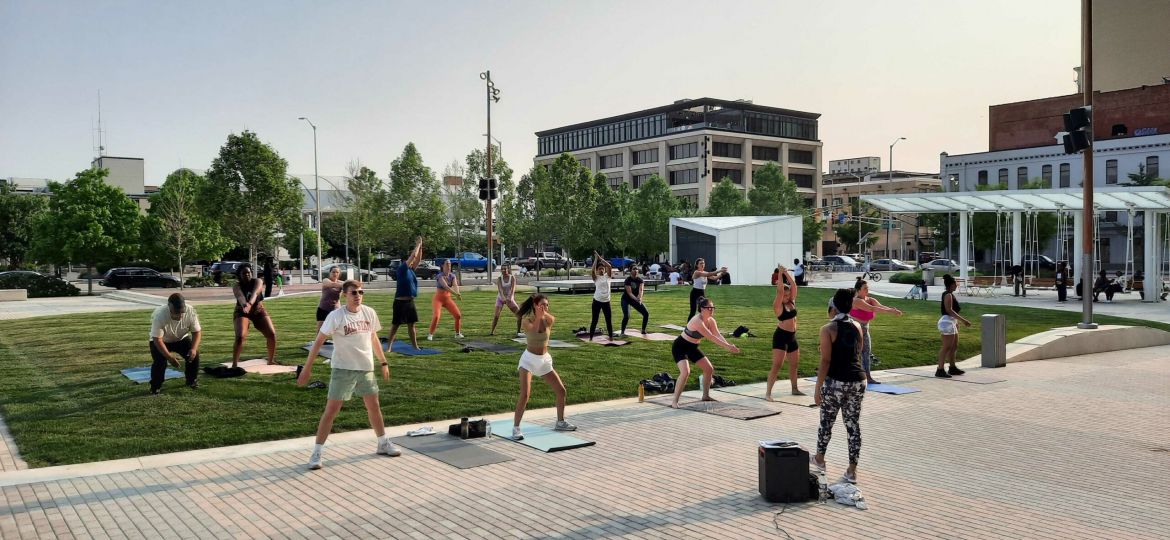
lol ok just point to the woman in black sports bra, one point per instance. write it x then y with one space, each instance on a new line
686 348
784 345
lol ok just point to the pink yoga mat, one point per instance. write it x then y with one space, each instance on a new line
260 365
602 340
652 336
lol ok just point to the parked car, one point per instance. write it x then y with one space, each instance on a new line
621 263
840 262
426 269
944 265
134 276
466 260
927 256
890 264
218 269
546 259
348 271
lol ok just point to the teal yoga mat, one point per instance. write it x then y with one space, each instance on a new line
142 374
541 438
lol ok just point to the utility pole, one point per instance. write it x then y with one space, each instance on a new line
493 94
1087 237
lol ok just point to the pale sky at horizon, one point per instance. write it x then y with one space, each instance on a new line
177 78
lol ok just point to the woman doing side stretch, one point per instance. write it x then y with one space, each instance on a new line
784 338
537 324
602 274
249 293
446 285
330 295
686 348
948 326
699 282
506 296
864 309
840 381
632 297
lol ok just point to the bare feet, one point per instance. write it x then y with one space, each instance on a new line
768 397
674 405
709 398
796 392
273 363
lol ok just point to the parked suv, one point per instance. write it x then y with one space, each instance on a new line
134 276
547 259
840 262
426 269
220 268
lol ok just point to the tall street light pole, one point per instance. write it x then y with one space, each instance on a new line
493 95
889 181
316 194
500 146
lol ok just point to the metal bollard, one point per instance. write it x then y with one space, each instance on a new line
994 334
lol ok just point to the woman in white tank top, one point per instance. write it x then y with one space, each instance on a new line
699 282
602 274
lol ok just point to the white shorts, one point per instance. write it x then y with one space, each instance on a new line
948 326
537 364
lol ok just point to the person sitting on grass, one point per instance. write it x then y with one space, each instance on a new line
174 333
354 329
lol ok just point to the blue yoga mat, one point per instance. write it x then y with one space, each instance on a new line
890 389
142 374
403 347
539 437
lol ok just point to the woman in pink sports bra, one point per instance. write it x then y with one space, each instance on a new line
864 309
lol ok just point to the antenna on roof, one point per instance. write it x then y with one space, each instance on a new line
99 135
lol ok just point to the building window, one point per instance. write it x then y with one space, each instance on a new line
692 201
1111 171
585 162
802 180
1152 166
983 178
800 156
1003 177
1021 176
683 151
1110 216
637 180
616 182
646 156
736 175
685 176
1046 175
609 162
731 150
765 153
1065 180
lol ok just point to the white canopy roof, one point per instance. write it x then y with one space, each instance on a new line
1156 198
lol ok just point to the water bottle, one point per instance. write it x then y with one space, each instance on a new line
488 435
463 427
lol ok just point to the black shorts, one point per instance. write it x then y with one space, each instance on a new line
783 340
322 313
404 312
682 348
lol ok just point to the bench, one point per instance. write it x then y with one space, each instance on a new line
1039 283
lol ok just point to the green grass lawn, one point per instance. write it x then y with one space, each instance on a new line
65 401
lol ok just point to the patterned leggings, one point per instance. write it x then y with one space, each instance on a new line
845 397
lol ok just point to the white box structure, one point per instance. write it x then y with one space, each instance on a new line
749 246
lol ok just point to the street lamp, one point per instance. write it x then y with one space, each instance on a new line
891 178
316 194
344 216
499 145
493 95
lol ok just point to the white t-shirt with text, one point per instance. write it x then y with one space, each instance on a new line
352 347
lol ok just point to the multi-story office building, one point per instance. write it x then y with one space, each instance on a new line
692 144
861 165
905 239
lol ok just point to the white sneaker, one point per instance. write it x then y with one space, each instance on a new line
517 435
430 337
564 426
521 334
459 335
387 448
315 460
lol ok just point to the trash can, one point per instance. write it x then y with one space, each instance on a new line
993 328
928 277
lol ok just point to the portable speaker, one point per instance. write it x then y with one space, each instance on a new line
784 475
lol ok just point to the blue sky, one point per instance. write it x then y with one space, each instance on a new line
177 77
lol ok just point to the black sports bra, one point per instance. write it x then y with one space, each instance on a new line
786 314
693 333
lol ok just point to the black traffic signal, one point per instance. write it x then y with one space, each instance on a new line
1077 123
488 189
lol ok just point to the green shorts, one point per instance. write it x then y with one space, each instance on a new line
344 383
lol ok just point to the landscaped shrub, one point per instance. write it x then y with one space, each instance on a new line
39 286
909 278
199 281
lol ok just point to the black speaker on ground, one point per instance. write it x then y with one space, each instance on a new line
784 475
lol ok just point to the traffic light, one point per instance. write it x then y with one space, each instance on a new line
1077 125
488 189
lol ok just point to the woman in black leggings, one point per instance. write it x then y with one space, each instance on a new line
601 273
840 381
632 297
699 282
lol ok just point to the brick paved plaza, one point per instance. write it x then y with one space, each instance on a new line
1070 448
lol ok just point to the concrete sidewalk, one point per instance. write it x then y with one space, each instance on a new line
1069 448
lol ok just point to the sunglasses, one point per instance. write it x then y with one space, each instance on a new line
712 308
358 292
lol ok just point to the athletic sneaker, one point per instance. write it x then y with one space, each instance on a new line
941 373
387 448
564 426
849 479
517 435
315 460
521 334
955 371
459 335
812 460
430 337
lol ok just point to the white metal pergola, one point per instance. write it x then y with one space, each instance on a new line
1153 200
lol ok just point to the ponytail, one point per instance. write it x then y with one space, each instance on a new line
529 305
702 302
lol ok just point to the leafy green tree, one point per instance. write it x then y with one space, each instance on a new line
653 206
476 163
467 211
370 215
249 193
623 230
175 230
1142 178
727 200
292 241
18 214
565 201
517 208
414 196
608 218
88 221
334 230
772 194
811 231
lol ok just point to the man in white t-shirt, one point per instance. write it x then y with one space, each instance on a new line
174 333
674 277
354 329
655 271
798 272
